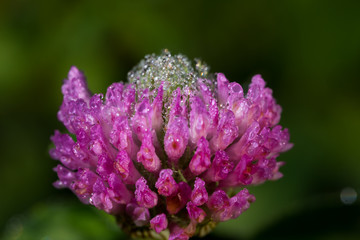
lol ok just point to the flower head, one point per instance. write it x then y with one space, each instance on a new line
162 152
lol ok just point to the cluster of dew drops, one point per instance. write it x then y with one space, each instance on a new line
173 71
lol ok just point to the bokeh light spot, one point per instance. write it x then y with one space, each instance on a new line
348 195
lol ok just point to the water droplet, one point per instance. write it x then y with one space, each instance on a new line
91 201
348 195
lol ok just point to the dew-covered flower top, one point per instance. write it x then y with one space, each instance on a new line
163 152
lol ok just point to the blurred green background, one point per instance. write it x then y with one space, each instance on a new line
308 52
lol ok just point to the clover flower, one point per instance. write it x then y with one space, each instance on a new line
163 152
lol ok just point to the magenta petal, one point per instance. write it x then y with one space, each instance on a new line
176 202
140 215
114 94
144 196
195 213
105 166
239 148
176 109
219 204
120 99
141 121
102 199
199 195
98 144
212 103
220 167
157 106
262 97
118 191
66 177
75 87
147 155
166 184
176 139
199 120
223 90
125 168
256 87
177 233
63 150
200 162
241 202
83 185
159 222
242 174
226 132
121 136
